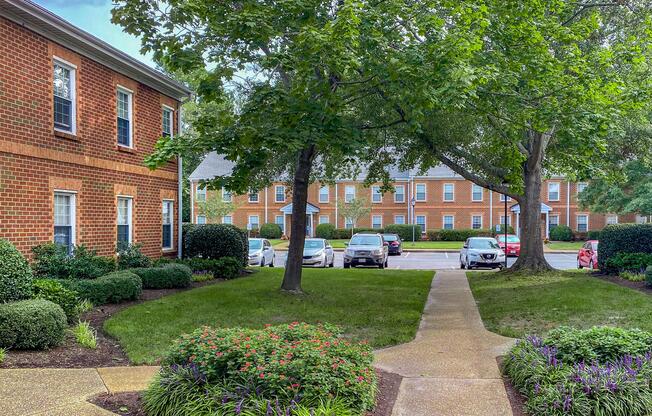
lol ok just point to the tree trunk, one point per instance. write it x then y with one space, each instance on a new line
300 183
531 257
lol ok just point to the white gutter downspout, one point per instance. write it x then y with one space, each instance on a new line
568 204
491 209
266 221
180 191
336 217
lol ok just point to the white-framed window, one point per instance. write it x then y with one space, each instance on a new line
65 96
399 194
200 194
641 219
226 195
348 223
420 194
502 198
280 221
324 219
376 221
201 219
421 220
582 223
476 222
376 195
612 219
279 193
125 220
581 186
349 193
64 219
227 219
448 222
168 215
168 121
449 192
324 194
254 222
553 191
124 101
509 220
399 219
253 197
477 193
553 221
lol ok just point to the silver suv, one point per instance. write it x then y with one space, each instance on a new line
366 249
481 252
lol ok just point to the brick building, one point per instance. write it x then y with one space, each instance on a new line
77 117
442 200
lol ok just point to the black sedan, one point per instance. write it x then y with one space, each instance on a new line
395 244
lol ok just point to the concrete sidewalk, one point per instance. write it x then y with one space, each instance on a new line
450 368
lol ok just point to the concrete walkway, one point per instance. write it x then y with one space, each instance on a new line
450 368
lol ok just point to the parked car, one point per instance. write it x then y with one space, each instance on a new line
395 244
261 252
318 252
481 252
588 255
366 249
513 244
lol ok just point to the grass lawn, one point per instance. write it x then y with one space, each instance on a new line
277 241
518 305
381 306
565 245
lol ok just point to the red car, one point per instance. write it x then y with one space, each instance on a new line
513 244
588 255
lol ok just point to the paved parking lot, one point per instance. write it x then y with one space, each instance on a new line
439 260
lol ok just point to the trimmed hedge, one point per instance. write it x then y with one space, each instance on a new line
404 231
55 292
326 231
271 230
227 268
199 265
593 235
346 233
623 238
214 241
115 287
457 235
561 233
15 274
169 276
32 324
630 262
52 261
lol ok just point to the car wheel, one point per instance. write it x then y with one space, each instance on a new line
387 262
381 265
262 262
468 265
347 265
579 265
271 263
332 262
325 263
462 266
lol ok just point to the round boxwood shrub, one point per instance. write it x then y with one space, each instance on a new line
214 241
226 268
55 292
561 233
15 274
326 231
115 287
31 324
270 230
169 276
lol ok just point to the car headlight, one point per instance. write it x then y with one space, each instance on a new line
348 252
474 255
377 252
254 255
318 254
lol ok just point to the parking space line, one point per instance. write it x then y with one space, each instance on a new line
446 253
408 254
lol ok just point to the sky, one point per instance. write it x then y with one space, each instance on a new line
94 16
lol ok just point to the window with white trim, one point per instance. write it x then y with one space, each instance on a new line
376 221
64 220
227 219
376 195
201 219
612 219
509 220
448 222
279 193
349 193
280 221
399 194
476 193
253 197
553 191
421 220
582 223
324 219
420 194
324 194
226 195
124 220
168 213
641 219
581 186
553 221
399 219
348 223
168 121
449 192
200 194
124 100
476 222
502 198
65 106
254 222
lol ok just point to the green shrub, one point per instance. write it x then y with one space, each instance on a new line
461 234
326 231
405 231
648 276
623 238
203 266
227 268
169 276
630 262
346 233
52 261
632 277
593 235
31 324
15 274
214 241
561 233
85 335
3 354
300 360
494 233
115 287
130 257
55 292
202 277
271 230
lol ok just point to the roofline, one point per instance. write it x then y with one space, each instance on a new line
47 24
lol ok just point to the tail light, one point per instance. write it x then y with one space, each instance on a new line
394 243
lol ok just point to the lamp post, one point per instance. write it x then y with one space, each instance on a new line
412 204
505 184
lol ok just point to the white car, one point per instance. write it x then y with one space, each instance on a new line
318 252
261 252
481 252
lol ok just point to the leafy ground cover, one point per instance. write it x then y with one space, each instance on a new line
516 305
381 306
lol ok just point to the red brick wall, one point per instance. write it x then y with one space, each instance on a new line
35 160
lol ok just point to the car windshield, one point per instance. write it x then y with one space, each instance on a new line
510 239
255 244
390 237
365 240
310 244
480 244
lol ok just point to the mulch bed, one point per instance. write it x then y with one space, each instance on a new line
108 352
131 404
516 399
640 286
